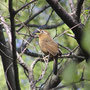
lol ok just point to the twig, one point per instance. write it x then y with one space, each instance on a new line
6 7
75 48
46 80
49 17
68 30
21 62
6 55
23 34
71 5
31 77
71 22
71 56
43 26
6 75
7 28
70 35
31 18
65 47
34 63
43 72
33 54
4 45
78 9
63 86
24 6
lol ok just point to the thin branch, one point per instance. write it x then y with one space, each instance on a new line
24 6
7 28
24 34
71 56
63 86
4 45
5 54
59 35
62 13
49 17
34 63
71 22
44 71
71 5
6 76
78 9
33 54
21 62
65 47
31 76
24 44
45 81
75 48
70 35
43 26
31 18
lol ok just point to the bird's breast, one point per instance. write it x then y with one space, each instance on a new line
43 46
48 46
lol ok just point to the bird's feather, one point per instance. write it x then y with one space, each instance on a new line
49 46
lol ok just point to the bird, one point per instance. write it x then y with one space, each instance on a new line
49 47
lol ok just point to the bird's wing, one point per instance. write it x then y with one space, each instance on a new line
52 48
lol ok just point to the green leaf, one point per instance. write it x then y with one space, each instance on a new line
86 37
70 73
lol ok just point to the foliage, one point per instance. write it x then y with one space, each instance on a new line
72 72
86 36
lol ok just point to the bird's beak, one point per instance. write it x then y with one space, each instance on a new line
38 29
38 32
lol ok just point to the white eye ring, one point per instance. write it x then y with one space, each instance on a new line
42 31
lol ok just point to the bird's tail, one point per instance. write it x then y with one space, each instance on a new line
55 65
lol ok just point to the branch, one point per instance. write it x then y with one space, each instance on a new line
7 28
71 84
71 22
31 18
49 17
70 35
31 76
44 71
24 44
52 82
62 13
28 52
24 6
78 9
71 5
65 47
6 57
67 19
72 56
12 14
43 26
21 62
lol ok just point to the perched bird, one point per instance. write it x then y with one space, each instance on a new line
49 46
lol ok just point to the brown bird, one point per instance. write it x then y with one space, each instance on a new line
49 46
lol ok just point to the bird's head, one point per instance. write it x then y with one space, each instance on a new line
43 33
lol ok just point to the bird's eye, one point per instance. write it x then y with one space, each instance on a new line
42 31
